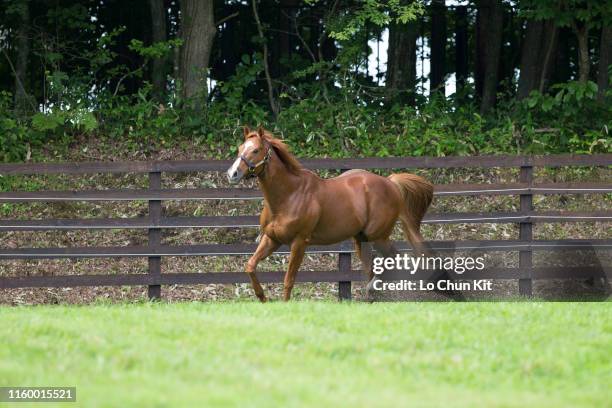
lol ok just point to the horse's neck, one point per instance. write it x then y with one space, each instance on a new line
277 183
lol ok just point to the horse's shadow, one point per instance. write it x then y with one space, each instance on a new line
372 250
592 285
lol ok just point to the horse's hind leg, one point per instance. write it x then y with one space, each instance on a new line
384 247
264 249
412 233
364 252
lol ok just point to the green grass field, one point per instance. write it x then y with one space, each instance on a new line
513 354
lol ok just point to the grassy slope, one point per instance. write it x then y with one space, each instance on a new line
307 353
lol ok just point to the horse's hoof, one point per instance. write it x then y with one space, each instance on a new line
370 285
451 295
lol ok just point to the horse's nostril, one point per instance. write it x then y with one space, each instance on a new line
232 175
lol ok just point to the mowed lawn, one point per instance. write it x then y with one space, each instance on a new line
327 354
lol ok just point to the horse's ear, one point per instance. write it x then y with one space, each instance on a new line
260 131
246 131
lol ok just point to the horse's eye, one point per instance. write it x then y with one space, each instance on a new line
256 151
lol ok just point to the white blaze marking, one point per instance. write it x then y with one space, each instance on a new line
234 167
248 144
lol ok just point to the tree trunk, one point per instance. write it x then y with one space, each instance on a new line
490 41
538 56
461 46
549 54
438 46
158 34
287 29
198 32
605 59
284 36
510 55
480 28
530 58
22 101
400 77
584 63
562 69
273 105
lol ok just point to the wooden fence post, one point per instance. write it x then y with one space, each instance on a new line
344 267
155 210
526 234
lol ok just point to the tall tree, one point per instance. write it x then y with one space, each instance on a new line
284 35
461 46
158 34
549 46
511 49
584 60
22 46
198 32
273 104
530 58
605 59
401 60
489 41
438 46
538 56
582 16
562 70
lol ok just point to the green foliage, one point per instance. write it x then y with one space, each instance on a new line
15 8
16 138
327 107
376 12
592 13
232 91
68 119
138 117
157 50
348 122
575 120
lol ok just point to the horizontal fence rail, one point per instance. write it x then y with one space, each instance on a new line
248 249
316 164
156 222
252 221
253 194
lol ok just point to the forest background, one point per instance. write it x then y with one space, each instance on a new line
339 78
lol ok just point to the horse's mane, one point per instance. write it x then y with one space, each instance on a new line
283 153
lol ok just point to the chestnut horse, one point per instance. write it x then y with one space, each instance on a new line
302 209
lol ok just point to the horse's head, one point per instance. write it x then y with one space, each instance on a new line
253 155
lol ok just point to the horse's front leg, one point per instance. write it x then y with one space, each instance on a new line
266 246
298 247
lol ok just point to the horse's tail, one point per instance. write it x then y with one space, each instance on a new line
417 194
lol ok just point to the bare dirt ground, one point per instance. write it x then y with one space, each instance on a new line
502 289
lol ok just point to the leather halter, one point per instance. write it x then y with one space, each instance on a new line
253 166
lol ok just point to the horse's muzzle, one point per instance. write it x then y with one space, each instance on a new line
234 176
234 173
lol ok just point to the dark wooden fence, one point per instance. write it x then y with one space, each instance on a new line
156 221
